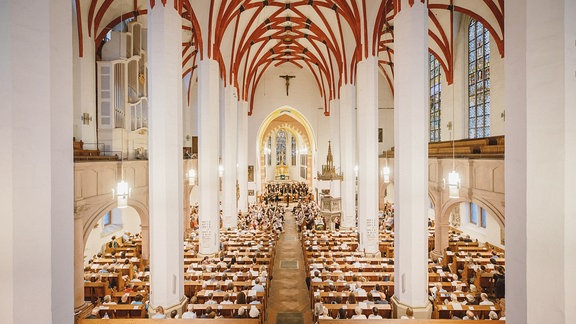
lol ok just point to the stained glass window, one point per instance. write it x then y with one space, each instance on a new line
281 148
435 91
293 150
478 80
269 157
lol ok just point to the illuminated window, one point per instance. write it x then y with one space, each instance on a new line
293 150
435 91
478 80
281 148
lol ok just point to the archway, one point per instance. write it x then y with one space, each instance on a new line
113 223
285 159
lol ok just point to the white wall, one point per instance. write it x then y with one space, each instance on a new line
385 113
130 222
489 234
304 96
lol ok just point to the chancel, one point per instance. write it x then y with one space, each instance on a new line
153 166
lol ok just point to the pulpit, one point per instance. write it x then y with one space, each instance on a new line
331 209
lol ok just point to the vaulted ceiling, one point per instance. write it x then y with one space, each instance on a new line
327 37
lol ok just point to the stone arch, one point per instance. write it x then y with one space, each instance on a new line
92 219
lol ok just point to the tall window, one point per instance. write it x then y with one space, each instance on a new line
269 151
478 80
293 150
476 211
435 90
281 148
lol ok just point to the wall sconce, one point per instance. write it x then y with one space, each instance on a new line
220 170
86 118
386 170
356 171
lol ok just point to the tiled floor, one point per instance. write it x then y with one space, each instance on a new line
288 292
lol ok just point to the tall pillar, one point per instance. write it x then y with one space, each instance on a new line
367 143
165 157
411 157
208 157
334 119
539 162
243 155
348 153
36 168
230 158
78 263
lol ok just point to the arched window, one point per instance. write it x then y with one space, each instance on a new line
281 147
435 91
478 80
269 151
293 150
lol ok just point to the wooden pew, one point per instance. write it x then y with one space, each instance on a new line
175 321
123 311
399 321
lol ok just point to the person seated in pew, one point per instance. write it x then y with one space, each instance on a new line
210 300
374 314
358 313
325 314
241 312
257 286
159 313
208 313
337 300
189 314
351 298
108 300
453 300
252 300
470 300
409 314
241 298
341 313
124 299
470 316
226 300
174 314
254 312
484 300
137 300
316 277
492 316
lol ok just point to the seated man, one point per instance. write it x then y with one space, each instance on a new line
358 313
257 286
189 314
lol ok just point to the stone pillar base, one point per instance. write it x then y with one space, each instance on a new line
373 255
180 308
420 312
213 255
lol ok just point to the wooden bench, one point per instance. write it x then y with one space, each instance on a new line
399 321
175 321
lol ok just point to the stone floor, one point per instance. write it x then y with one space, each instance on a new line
288 300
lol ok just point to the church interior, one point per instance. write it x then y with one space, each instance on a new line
287 161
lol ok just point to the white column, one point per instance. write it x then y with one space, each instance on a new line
348 153
411 154
367 143
165 157
243 155
208 155
539 162
335 141
230 158
36 168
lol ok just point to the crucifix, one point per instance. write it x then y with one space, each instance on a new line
287 78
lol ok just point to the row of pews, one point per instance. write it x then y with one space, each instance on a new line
246 259
342 278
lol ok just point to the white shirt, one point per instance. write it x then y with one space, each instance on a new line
361 316
372 316
189 315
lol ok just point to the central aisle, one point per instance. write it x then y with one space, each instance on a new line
288 295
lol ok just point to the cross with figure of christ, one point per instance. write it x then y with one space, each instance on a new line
287 78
